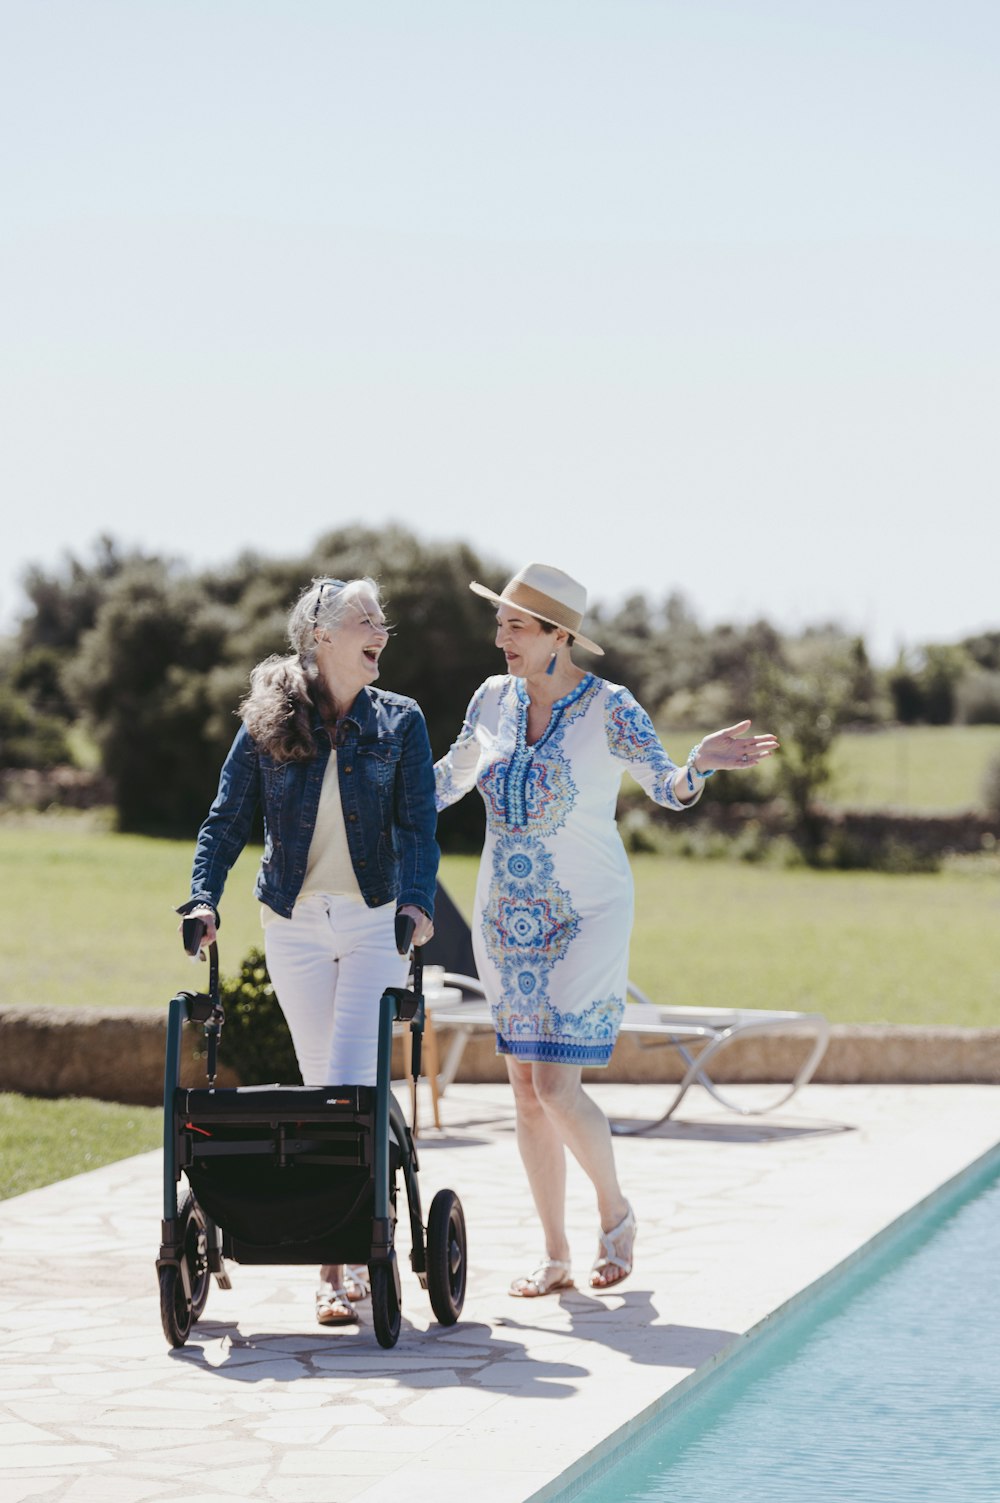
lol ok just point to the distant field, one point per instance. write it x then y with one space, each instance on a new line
925 769
89 923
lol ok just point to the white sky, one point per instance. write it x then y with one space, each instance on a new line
675 295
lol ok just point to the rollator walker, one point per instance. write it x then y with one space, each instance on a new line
297 1174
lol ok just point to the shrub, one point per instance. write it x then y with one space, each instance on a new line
851 850
27 738
991 787
978 698
907 695
639 834
255 1038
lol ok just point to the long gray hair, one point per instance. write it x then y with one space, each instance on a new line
286 691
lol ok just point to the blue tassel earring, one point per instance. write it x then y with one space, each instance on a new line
552 665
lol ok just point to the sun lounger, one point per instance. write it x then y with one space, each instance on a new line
699 1035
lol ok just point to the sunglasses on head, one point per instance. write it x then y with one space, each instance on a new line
324 585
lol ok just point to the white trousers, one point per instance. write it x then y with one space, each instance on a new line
329 964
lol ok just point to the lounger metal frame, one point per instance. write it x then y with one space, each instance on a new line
699 1034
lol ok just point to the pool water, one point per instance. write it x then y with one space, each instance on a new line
889 1391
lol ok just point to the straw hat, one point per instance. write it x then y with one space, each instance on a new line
548 594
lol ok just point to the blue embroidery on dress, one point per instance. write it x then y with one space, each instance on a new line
531 787
528 928
531 920
586 1037
631 736
448 789
493 787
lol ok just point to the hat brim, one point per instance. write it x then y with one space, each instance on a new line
578 637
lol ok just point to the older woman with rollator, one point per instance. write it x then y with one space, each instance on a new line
343 773
546 743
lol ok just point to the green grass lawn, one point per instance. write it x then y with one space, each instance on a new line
89 923
89 915
923 768
45 1141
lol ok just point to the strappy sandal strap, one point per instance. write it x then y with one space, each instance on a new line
610 1256
549 1275
356 1285
333 1308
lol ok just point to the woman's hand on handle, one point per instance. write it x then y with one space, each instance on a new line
733 749
423 928
207 916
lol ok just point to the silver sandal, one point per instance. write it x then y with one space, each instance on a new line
333 1308
611 1256
549 1275
356 1285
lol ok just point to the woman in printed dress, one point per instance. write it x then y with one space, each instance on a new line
546 743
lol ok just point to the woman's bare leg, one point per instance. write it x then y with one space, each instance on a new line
586 1132
554 1113
544 1159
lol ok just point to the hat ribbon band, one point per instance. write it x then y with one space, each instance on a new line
539 604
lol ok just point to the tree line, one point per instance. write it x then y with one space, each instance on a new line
148 659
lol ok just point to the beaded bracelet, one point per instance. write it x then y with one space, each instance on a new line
691 769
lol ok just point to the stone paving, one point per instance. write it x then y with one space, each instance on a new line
736 1217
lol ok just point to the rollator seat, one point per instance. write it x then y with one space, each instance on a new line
275 1102
284 1171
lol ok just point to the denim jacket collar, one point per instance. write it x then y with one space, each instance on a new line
361 715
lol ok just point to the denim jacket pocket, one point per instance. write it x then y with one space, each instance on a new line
381 760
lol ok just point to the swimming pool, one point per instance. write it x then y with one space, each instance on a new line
886 1388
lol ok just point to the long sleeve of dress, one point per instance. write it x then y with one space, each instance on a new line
632 740
455 773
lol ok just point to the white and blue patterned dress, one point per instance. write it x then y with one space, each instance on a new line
553 907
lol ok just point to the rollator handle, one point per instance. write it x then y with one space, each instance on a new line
408 1008
404 938
192 933
202 1007
404 932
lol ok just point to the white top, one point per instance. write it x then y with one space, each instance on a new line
328 866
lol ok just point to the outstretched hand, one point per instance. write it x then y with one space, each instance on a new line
734 749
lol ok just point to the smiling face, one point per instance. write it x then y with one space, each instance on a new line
526 646
348 651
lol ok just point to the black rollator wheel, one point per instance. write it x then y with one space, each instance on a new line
447 1257
386 1316
178 1310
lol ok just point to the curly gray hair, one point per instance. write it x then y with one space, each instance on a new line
322 606
279 708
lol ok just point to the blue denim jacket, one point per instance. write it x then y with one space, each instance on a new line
387 792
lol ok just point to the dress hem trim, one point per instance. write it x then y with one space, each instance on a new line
537 1052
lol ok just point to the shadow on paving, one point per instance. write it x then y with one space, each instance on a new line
720 1130
475 1355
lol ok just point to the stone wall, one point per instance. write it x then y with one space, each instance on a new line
118 1056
